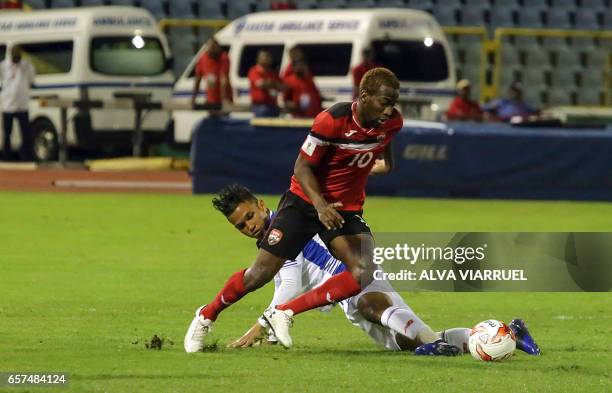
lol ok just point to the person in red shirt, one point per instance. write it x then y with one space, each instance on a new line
326 197
360 69
295 54
301 95
265 85
213 68
462 107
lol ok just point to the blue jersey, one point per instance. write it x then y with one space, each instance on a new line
315 252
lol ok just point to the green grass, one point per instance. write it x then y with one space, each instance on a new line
86 280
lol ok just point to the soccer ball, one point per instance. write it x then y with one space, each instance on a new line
491 340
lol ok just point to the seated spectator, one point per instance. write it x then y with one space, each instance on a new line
265 85
463 108
503 109
360 69
213 68
301 96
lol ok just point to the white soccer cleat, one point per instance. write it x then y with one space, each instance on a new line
280 321
199 328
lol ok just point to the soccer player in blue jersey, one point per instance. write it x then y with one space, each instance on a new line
378 310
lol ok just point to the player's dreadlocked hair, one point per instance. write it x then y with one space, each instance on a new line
230 197
376 77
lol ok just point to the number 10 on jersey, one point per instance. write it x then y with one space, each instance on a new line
361 159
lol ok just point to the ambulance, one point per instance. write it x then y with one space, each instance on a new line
409 42
90 53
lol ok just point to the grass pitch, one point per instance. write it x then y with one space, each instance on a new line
87 280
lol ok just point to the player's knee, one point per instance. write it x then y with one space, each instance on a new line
251 281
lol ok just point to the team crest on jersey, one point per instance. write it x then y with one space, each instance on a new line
274 237
380 138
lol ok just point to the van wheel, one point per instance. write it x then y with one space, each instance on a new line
44 141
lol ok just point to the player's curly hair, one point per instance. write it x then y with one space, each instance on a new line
376 77
230 197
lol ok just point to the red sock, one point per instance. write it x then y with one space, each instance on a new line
337 288
232 291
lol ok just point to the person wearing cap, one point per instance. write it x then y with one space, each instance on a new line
463 108
503 109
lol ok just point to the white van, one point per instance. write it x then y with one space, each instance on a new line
90 53
409 42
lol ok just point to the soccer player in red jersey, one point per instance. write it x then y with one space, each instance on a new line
326 197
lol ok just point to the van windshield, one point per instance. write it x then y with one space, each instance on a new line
130 55
414 61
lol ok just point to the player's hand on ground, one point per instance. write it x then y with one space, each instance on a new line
329 216
250 338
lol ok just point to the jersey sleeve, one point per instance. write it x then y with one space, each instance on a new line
287 284
290 281
319 139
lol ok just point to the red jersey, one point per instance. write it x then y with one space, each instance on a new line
260 95
461 109
343 153
211 70
303 93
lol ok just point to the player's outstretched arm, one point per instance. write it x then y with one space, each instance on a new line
327 211
385 164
